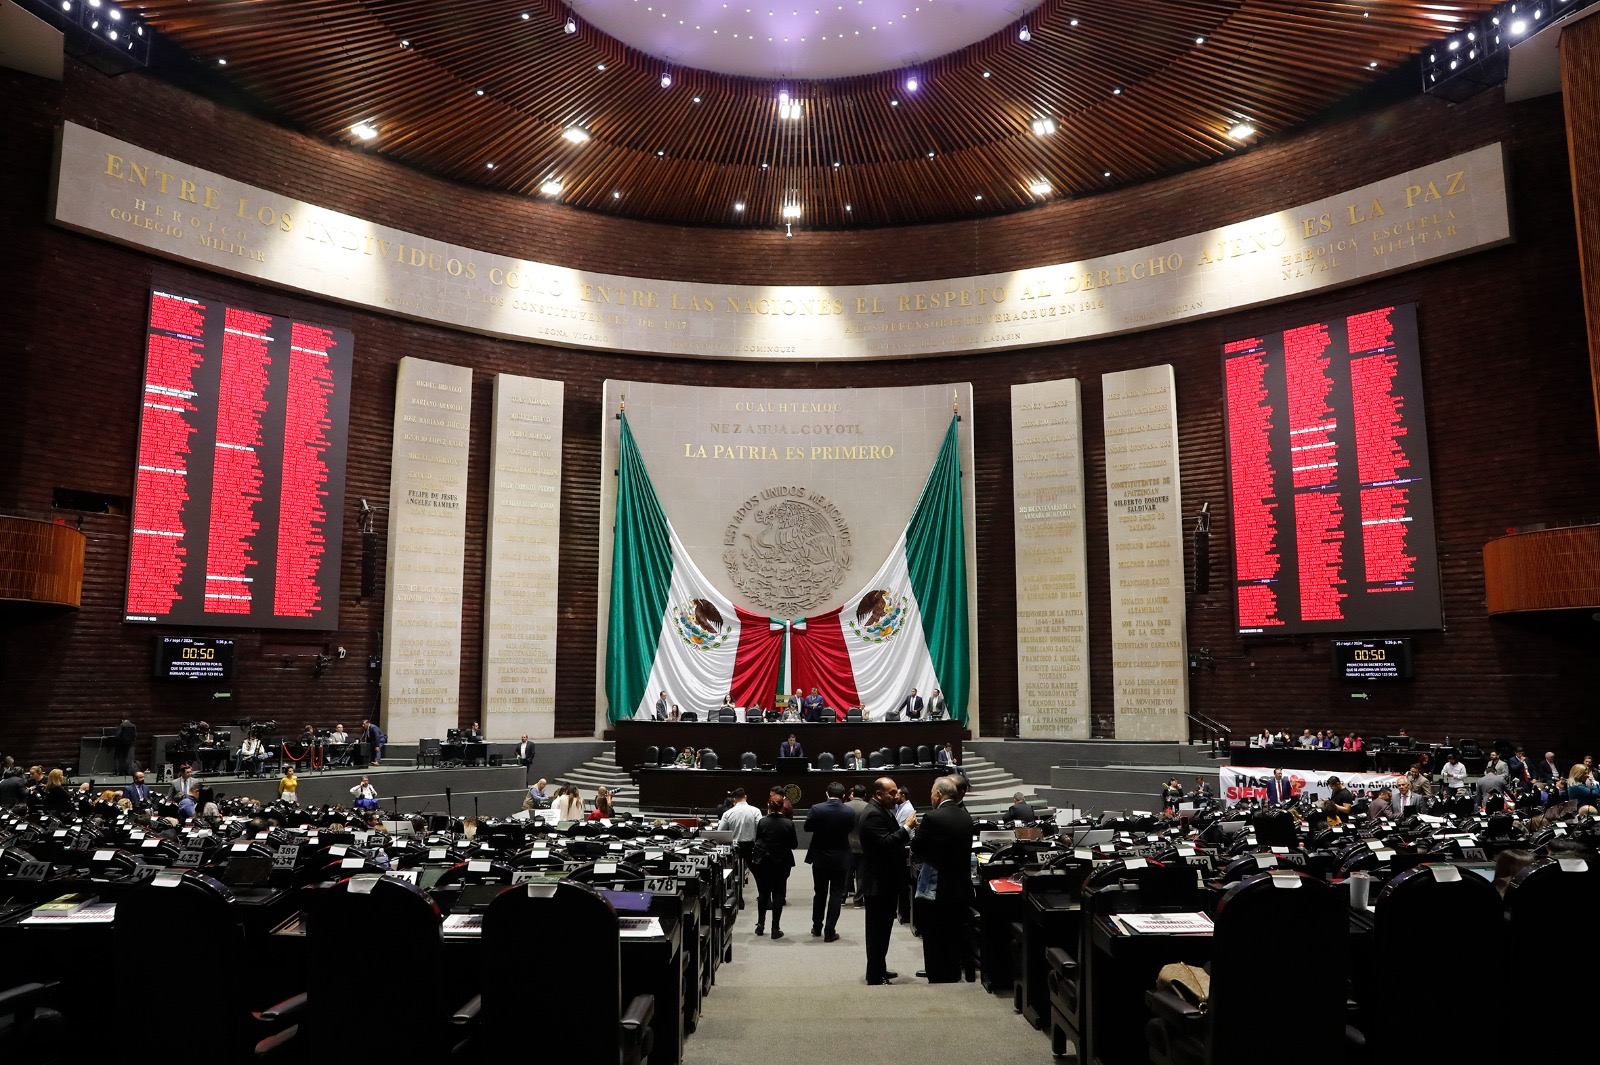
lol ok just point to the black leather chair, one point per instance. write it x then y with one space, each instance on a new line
1249 1009
748 760
574 923
669 755
1416 912
412 935
690 715
31 1029
201 911
852 713
708 758
908 756
825 760
924 754
728 715
1551 905
875 760
652 755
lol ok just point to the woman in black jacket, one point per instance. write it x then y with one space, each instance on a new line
772 857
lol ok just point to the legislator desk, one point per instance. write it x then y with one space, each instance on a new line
687 789
732 740
1316 760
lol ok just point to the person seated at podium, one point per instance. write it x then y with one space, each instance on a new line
686 758
338 735
790 748
1306 740
945 759
855 760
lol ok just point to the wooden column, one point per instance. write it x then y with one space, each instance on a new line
1580 87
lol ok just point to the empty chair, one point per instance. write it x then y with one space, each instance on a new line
875 760
907 756
888 755
574 923
1246 1012
825 760
728 715
708 759
412 931
747 760
852 713
1417 911
652 755
689 715
30 1029
669 755
924 754
1551 908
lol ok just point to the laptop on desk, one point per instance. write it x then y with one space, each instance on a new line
248 877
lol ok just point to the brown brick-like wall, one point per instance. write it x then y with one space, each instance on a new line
1504 365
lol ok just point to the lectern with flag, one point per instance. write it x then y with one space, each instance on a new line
671 630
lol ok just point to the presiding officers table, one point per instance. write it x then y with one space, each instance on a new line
732 740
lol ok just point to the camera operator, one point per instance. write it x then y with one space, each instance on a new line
252 752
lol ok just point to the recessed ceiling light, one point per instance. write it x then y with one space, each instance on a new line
600 67
1023 35
1241 131
616 194
847 208
739 206
979 196
1199 40
894 103
222 62
365 130
1074 22
1043 127
697 99
405 44
986 73
1040 188
836 164
575 135
1372 65
930 155
479 91
551 187
660 152
489 166
1116 92
1106 174
526 16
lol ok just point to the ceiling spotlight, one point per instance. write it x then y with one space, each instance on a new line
1372 65
697 99
1116 92
666 79
1106 174
489 166
1074 22
1040 188
738 207
930 155
66 5
847 208
894 103
551 187
478 92
1023 35
660 152
1453 45
979 196
912 84
575 135
601 67
1043 127
222 62
1199 40
365 130
1241 131
986 73
405 44
1519 27
116 16
787 108
570 26
791 211
526 16
616 194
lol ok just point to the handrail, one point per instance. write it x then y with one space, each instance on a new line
1219 732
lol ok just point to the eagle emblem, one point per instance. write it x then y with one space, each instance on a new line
700 625
879 616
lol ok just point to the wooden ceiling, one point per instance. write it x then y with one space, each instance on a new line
455 87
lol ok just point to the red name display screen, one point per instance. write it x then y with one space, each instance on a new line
239 491
1328 477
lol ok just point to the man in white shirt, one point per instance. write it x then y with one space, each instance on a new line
741 820
1454 773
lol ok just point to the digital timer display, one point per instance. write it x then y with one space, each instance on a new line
1362 660
193 658
238 499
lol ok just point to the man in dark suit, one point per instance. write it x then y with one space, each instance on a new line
790 748
883 871
138 792
944 841
127 733
830 824
1021 810
812 707
525 750
938 707
911 706
1278 788
663 706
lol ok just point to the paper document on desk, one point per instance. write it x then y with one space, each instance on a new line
1168 924
639 927
464 924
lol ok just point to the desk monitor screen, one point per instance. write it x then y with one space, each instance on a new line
247 870
717 836
794 765
1092 837
1230 827
430 876
475 898
628 901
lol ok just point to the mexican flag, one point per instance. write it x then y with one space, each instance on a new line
670 630
907 628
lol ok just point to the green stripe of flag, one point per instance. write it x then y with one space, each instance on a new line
641 577
936 556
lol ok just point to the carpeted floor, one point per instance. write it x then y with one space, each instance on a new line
799 1001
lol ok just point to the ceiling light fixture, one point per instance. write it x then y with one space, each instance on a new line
666 79
1241 131
489 166
1023 35
1040 188
791 211
788 108
912 84
551 187
365 130
738 207
570 26
575 135
1043 127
